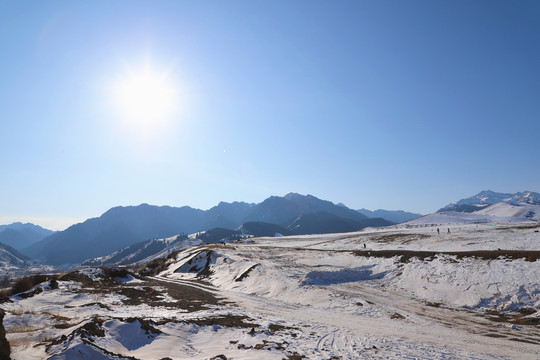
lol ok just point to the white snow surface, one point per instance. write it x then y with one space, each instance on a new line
498 213
317 296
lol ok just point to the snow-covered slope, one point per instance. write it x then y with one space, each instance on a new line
527 197
502 212
399 292
521 211
11 259
145 251
488 197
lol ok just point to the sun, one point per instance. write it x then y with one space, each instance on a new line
145 98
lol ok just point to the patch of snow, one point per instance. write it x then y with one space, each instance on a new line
95 274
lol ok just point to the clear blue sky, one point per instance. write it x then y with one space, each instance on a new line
377 104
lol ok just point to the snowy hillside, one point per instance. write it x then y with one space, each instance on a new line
399 292
487 197
519 212
145 251
11 259
502 212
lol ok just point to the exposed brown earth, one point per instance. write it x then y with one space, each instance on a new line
223 320
5 350
406 255
402 238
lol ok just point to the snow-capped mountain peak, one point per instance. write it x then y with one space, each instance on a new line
527 197
294 196
487 197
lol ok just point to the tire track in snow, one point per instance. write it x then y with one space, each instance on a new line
425 326
193 283
339 332
451 318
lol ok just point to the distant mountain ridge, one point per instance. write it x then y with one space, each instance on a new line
27 226
319 222
19 235
396 216
487 197
117 228
145 250
322 222
121 227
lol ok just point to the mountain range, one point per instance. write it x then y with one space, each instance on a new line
397 216
133 227
19 235
487 197
121 227
143 251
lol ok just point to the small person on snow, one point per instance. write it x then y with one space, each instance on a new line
438 232
449 231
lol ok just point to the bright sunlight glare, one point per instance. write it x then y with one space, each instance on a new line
145 98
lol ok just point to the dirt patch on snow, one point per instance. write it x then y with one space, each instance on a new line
519 226
187 297
148 291
401 238
406 255
101 305
520 317
224 320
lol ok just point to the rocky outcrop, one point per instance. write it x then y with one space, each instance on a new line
5 350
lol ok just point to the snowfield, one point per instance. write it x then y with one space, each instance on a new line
401 292
497 213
